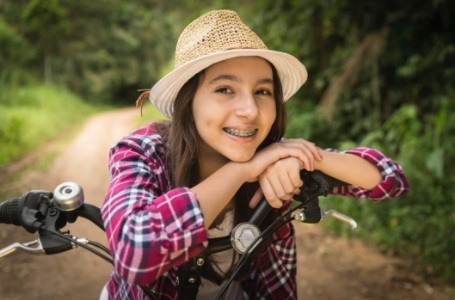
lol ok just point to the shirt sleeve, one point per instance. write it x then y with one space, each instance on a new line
149 227
394 182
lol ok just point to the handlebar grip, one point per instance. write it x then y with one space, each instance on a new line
9 212
91 213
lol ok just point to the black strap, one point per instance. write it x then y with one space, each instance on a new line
148 292
189 277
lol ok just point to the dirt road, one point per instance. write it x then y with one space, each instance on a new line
329 267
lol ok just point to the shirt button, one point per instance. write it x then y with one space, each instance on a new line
200 261
166 244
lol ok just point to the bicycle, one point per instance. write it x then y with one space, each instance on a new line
48 212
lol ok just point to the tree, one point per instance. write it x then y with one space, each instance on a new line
45 22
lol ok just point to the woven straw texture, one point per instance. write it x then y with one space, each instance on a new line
214 32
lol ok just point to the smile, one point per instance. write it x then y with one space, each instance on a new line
240 133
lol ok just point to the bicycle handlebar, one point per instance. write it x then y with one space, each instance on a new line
26 211
39 209
48 212
8 212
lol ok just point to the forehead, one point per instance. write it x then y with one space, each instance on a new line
248 65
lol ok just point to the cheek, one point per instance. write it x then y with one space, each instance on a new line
207 113
270 112
201 109
203 118
205 125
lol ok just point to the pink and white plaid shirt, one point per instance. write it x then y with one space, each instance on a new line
152 229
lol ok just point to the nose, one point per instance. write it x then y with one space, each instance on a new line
246 106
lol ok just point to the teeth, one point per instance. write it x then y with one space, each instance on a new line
240 133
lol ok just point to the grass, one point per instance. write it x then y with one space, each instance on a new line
31 116
36 122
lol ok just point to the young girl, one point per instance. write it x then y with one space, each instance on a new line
175 184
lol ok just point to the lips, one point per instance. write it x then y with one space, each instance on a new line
240 133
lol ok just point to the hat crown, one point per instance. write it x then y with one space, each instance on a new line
215 31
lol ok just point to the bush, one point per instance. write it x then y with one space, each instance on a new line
420 224
33 114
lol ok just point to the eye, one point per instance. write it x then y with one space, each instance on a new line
223 90
264 92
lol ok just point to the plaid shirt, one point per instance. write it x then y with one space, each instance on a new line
152 229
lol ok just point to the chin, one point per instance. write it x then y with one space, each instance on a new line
240 158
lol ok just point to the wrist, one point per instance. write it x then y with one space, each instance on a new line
319 164
239 169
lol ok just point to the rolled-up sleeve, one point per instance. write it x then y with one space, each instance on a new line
393 184
150 227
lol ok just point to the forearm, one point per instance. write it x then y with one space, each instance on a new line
349 168
215 192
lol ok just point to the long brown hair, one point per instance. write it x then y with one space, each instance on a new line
182 150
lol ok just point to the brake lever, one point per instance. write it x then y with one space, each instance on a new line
318 184
36 247
32 247
341 217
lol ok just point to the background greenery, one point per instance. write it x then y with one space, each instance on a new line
381 75
33 114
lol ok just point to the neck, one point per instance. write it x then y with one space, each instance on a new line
209 162
209 165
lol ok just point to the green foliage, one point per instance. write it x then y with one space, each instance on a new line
420 224
392 63
33 115
13 53
102 50
401 102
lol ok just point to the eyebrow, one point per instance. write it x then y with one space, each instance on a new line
235 78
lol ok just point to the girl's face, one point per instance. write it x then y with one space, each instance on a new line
234 109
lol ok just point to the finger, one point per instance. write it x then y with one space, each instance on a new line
295 178
269 193
287 184
275 203
303 152
317 152
256 198
297 191
306 160
314 150
277 186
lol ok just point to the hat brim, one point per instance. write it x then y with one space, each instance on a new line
291 71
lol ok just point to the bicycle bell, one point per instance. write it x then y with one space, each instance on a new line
68 196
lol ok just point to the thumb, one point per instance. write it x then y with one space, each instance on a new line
256 198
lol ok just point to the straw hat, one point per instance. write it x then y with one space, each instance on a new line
213 37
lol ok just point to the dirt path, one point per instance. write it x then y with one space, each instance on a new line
75 274
329 267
